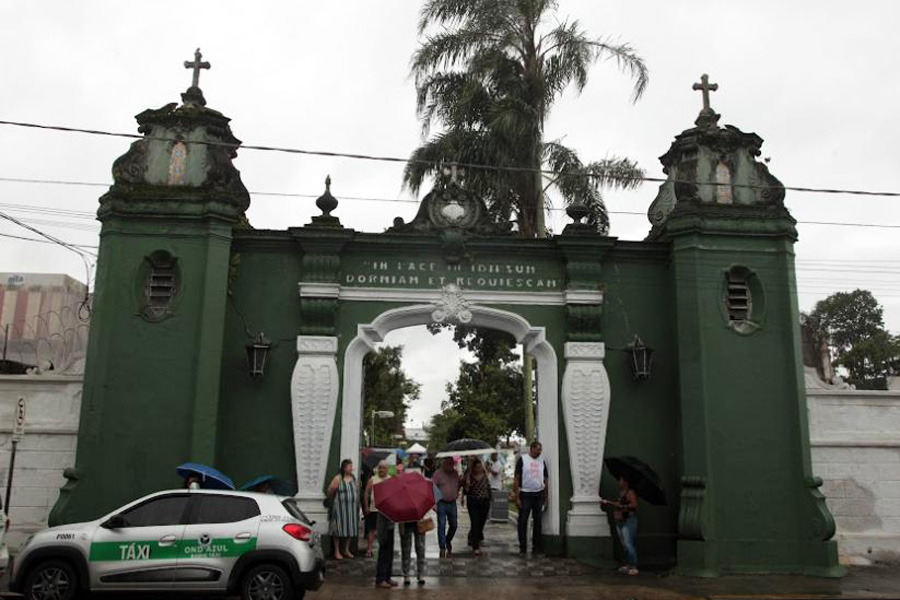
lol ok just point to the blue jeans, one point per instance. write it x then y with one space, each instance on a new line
628 536
446 511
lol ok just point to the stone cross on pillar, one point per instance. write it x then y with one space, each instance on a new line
196 65
706 87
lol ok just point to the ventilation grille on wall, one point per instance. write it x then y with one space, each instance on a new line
737 299
161 285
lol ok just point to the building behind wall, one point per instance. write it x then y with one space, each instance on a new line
47 318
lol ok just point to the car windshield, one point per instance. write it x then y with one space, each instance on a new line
291 505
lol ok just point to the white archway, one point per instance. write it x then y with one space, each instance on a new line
532 338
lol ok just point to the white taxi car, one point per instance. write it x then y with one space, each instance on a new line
258 545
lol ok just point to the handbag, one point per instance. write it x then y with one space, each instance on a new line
425 525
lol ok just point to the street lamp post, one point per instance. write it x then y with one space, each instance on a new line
381 414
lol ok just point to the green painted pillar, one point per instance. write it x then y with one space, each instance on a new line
151 390
748 499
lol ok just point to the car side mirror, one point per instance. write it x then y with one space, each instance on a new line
114 522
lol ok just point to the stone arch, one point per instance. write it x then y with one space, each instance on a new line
532 338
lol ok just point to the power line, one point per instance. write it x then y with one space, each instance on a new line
394 159
90 215
29 239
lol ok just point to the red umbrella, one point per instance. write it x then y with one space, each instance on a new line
404 498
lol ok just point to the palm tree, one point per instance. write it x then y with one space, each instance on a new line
490 72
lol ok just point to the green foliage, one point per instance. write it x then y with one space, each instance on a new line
852 323
485 402
489 72
387 387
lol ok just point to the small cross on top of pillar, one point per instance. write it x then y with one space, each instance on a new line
707 115
193 95
196 65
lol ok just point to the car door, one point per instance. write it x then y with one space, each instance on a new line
220 529
138 547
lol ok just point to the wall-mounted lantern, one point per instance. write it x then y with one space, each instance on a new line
641 358
257 354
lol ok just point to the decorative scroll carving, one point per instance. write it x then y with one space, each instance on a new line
690 517
586 395
823 526
314 394
452 306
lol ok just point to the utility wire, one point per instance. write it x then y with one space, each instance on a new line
30 239
85 306
90 215
395 159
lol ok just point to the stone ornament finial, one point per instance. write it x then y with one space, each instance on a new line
326 202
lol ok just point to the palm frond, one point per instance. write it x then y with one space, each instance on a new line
628 62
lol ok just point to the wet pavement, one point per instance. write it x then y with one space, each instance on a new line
501 574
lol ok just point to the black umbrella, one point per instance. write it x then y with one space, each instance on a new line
465 447
642 479
374 457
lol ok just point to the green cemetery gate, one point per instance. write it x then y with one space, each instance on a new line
184 284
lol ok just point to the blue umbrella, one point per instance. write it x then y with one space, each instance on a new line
278 486
209 478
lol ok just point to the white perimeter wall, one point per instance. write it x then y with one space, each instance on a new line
53 404
856 451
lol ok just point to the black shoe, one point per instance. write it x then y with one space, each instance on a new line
420 581
522 552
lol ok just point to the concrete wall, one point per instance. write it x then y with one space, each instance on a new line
855 439
53 404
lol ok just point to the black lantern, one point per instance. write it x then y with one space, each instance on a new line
257 353
641 359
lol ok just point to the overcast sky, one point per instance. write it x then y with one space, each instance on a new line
818 80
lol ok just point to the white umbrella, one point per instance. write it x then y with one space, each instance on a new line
471 452
416 448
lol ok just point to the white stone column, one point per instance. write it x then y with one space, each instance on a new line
585 400
314 395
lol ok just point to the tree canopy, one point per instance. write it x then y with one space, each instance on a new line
485 401
852 323
386 388
490 72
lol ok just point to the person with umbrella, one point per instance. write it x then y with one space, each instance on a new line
477 493
625 518
635 478
197 475
405 500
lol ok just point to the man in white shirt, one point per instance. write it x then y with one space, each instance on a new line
495 471
530 492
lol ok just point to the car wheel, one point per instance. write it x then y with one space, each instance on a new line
51 580
267 582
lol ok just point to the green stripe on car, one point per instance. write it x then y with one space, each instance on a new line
152 550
